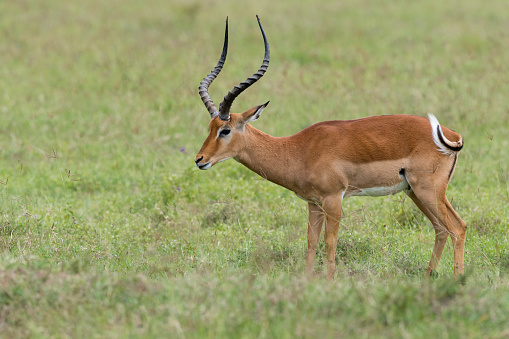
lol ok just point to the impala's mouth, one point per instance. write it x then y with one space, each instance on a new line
204 166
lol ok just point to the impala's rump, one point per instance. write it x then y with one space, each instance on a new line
444 145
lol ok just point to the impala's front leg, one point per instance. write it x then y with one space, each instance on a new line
314 230
332 209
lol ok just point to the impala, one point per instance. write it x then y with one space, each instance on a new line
333 160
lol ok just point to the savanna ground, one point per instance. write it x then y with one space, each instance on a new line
108 229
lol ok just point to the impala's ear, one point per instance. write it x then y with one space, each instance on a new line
253 113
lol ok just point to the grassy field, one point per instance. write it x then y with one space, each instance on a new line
108 229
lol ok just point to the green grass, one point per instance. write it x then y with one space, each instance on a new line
108 229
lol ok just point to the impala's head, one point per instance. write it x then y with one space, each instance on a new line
226 130
226 138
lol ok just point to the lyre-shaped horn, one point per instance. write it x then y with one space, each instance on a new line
224 107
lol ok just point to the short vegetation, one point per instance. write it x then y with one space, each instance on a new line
108 229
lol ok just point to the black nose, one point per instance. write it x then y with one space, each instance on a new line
198 160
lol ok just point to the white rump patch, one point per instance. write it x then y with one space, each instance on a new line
441 147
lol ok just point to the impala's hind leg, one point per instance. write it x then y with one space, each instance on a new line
432 201
440 236
314 230
458 236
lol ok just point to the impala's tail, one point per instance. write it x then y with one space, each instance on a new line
444 145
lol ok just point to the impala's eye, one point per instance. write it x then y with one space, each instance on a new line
224 132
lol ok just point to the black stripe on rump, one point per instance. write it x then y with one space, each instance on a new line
455 149
453 165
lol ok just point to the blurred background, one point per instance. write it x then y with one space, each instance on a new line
101 120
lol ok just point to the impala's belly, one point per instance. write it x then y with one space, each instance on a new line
376 179
378 191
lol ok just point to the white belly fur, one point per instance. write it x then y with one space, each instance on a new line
379 191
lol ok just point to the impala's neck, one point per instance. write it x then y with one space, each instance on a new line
267 156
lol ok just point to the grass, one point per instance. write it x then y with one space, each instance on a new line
109 230
245 305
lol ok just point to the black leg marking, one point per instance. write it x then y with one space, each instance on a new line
402 174
433 274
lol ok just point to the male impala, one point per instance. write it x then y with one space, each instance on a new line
333 160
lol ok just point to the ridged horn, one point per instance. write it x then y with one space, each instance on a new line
204 85
224 107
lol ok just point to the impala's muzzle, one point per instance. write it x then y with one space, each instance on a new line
205 166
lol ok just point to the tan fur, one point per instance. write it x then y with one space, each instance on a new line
332 159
